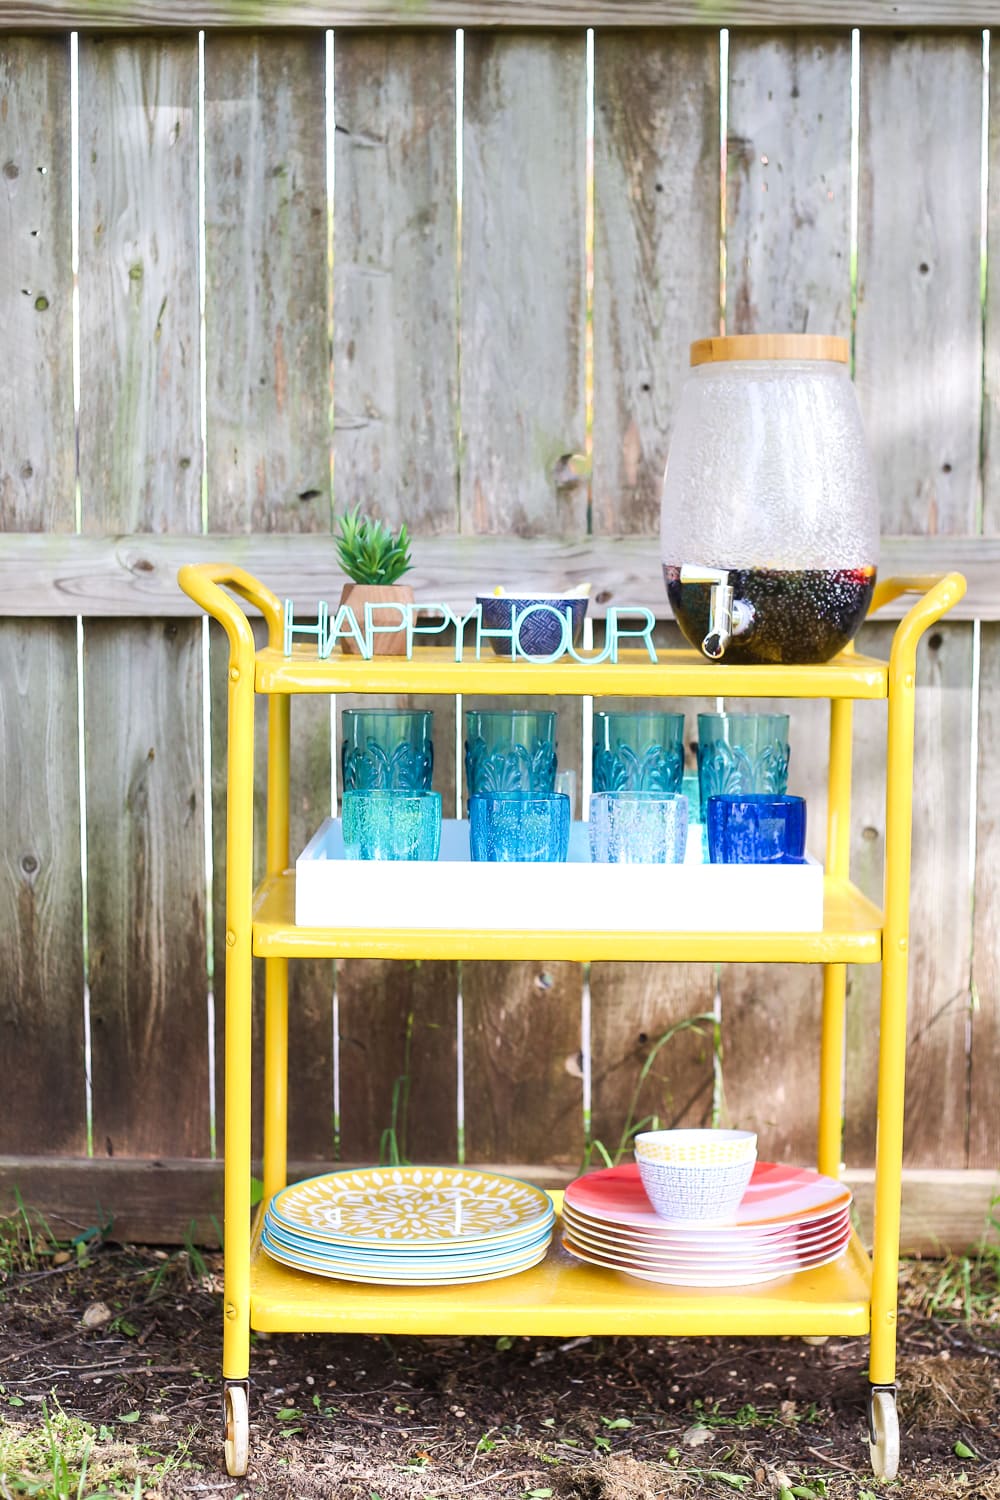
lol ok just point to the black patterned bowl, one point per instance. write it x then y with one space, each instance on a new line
546 623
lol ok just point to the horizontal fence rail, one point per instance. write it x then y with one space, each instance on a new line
108 577
251 278
146 15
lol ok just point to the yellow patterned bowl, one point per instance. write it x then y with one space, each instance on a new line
696 1148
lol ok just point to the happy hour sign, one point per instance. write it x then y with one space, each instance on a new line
423 621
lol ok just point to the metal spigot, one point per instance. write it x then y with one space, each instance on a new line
727 616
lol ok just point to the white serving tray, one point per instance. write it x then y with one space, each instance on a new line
453 893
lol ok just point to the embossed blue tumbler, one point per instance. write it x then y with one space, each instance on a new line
640 752
387 748
742 753
510 750
519 826
381 824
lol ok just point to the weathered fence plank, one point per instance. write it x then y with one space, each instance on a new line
396 453
918 361
41 918
918 346
984 1038
788 183
656 254
267 376
105 15
395 293
788 240
268 443
140 469
523 416
522 279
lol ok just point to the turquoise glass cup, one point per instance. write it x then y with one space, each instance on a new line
742 753
510 750
638 828
388 749
525 827
381 824
640 752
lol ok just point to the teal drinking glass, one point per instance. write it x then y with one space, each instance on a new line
638 752
387 748
382 824
742 753
519 826
510 750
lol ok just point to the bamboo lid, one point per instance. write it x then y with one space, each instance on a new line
770 346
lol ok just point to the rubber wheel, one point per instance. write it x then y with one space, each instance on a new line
885 1425
237 1430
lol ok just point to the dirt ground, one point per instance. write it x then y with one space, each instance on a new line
129 1343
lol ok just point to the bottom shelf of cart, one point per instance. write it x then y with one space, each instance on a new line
563 1297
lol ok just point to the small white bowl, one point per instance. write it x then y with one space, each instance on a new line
695 1192
705 1148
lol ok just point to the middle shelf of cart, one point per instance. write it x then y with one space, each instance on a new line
851 934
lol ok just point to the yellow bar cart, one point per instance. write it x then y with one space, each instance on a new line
856 1294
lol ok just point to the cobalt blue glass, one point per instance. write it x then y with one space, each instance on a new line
519 826
510 750
755 829
641 752
387 748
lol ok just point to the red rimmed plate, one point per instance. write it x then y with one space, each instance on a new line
797 1240
778 1197
692 1275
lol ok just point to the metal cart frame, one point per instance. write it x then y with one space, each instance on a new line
857 1294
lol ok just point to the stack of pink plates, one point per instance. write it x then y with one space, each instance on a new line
790 1220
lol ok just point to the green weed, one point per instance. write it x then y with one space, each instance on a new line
65 1458
967 1287
633 1125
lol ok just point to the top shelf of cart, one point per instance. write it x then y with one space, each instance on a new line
676 674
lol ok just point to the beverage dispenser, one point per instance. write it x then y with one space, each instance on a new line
769 523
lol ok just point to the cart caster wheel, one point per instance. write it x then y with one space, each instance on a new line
883 1432
817 1339
237 1443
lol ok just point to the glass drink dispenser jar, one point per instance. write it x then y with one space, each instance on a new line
769 524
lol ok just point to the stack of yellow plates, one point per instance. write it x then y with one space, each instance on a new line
409 1226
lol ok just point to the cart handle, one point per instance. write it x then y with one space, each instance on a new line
205 583
940 593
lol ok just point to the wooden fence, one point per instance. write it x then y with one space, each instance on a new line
212 336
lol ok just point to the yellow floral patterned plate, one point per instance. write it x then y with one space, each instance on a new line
407 1207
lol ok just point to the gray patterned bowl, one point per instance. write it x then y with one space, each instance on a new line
695 1192
545 631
